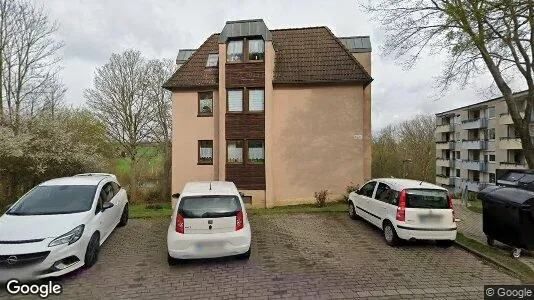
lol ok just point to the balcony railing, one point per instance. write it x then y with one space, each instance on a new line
513 165
445 128
475 144
510 143
475 165
442 162
444 180
506 118
444 145
475 123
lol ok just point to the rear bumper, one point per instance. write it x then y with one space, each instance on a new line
185 246
407 233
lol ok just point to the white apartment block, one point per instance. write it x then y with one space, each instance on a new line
474 143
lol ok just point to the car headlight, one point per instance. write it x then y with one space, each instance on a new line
69 237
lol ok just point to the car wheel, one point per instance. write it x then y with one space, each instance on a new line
172 261
352 211
444 243
390 235
490 241
93 249
244 256
124 216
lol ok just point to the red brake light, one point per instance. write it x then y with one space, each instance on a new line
180 223
401 210
452 207
239 221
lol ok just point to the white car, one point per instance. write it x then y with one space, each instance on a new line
209 220
59 225
406 209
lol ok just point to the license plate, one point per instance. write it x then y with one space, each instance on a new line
429 218
203 246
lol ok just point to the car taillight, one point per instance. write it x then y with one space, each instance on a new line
401 210
452 208
239 221
180 223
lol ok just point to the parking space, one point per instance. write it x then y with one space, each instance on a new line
294 256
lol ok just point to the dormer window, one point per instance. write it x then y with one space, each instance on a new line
234 52
213 60
256 49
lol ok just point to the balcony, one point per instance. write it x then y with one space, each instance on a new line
475 144
452 164
442 162
510 143
444 145
506 119
475 123
475 186
444 180
445 128
475 165
513 165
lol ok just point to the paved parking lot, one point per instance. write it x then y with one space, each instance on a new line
294 256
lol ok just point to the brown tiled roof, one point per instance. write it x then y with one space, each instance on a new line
303 55
313 55
194 73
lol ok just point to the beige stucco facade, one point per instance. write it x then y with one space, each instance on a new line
315 143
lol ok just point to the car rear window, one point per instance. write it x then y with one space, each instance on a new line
209 206
421 198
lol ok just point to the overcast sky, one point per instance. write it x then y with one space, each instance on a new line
92 30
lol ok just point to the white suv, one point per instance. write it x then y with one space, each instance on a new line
406 209
209 220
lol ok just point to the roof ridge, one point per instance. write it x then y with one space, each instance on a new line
370 79
297 28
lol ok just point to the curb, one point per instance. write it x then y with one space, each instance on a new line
488 258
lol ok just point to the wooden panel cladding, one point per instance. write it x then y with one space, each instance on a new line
246 176
245 126
241 74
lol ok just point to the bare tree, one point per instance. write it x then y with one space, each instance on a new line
478 35
158 72
121 98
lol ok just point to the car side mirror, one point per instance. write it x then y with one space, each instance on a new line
241 194
107 206
176 195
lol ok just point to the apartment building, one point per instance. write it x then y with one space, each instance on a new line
475 142
281 113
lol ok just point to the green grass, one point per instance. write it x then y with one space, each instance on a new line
148 211
155 160
498 256
475 206
164 210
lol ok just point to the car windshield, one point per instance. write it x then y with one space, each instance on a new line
209 206
55 199
421 198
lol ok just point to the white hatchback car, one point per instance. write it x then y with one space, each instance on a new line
209 220
59 225
406 209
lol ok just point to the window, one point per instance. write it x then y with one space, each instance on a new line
492 177
235 101
234 151
205 152
491 112
492 157
205 104
256 100
213 60
384 193
116 188
458 173
457 154
256 151
256 49
367 189
491 133
234 51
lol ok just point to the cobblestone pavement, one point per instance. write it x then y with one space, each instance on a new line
308 256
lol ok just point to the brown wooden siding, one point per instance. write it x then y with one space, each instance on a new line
245 126
246 176
250 74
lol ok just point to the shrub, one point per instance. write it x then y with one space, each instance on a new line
349 189
321 198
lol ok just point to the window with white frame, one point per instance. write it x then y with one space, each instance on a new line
256 100
234 151
256 49
205 152
256 151
213 60
234 51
